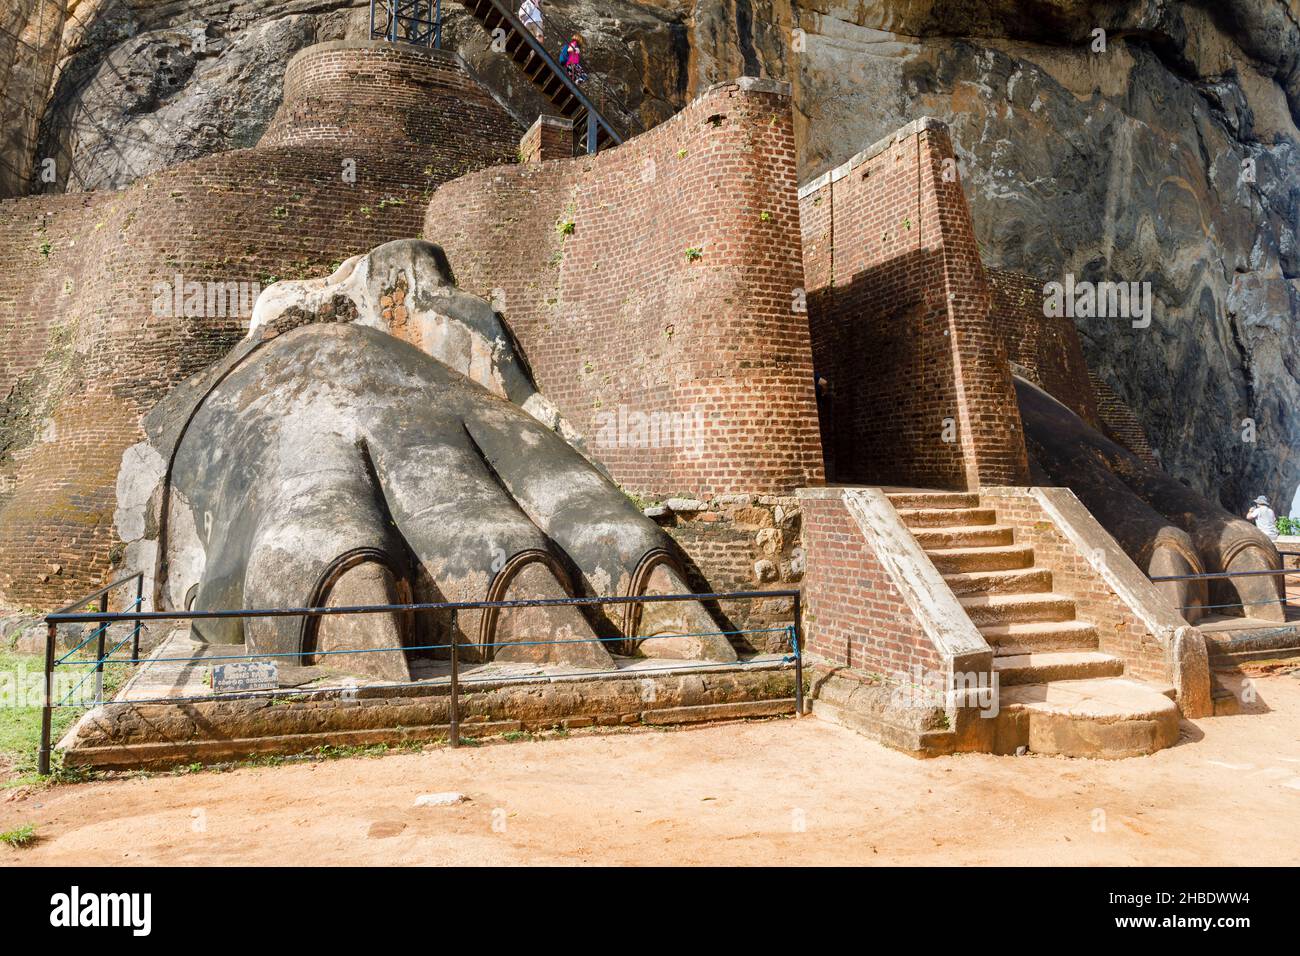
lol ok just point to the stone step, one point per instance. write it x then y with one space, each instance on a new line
933 499
1017 608
1109 717
1041 667
1025 638
1009 581
978 536
996 558
947 517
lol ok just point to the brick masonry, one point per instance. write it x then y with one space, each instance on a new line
742 543
1045 349
854 616
86 350
1120 422
899 309
550 137
654 290
1073 575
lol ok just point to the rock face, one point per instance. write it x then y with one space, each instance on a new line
1166 156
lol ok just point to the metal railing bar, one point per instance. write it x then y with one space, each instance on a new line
1223 574
392 649
93 634
96 617
103 615
1184 607
90 597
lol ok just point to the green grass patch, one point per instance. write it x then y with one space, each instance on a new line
20 711
24 835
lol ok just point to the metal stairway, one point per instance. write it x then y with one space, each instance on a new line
592 129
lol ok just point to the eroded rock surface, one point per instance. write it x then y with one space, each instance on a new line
1129 163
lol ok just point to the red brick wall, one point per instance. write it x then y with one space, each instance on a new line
898 306
659 278
1120 423
1073 575
550 137
744 543
853 614
84 354
418 105
1047 347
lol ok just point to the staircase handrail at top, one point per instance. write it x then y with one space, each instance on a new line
539 48
566 28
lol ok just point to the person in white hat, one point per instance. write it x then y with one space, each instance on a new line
1264 518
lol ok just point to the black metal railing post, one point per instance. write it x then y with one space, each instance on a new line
99 651
437 25
47 702
454 703
139 606
795 636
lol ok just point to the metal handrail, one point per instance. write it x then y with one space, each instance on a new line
52 622
565 29
105 617
594 116
1220 575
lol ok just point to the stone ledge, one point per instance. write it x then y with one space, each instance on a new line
915 127
750 84
126 735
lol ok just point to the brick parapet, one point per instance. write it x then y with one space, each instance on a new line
919 388
659 281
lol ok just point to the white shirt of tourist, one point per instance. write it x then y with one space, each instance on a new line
529 12
1264 519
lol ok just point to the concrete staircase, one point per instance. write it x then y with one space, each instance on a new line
1049 667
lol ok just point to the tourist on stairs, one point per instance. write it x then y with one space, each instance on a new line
571 59
530 15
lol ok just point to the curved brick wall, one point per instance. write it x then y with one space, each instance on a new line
588 260
86 355
368 95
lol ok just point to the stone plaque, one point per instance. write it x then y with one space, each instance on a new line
245 676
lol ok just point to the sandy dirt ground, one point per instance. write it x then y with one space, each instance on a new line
774 792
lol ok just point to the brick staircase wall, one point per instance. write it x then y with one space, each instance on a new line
899 309
855 615
1134 622
1046 347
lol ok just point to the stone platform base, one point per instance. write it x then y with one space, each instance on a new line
1108 718
1253 642
155 733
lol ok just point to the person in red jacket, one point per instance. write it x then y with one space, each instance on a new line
571 59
